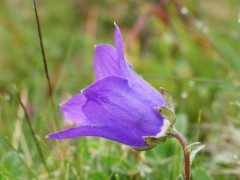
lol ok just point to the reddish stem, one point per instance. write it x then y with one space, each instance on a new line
186 152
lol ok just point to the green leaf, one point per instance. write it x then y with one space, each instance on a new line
195 148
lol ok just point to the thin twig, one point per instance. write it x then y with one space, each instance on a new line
186 152
32 132
45 64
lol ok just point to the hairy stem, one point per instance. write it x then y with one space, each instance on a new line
45 64
186 152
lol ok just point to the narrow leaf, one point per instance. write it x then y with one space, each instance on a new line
194 152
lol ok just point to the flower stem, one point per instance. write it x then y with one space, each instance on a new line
186 152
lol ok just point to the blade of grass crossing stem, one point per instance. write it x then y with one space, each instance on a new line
32 132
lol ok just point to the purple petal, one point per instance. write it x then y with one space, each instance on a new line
111 133
118 113
106 61
141 86
111 102
72 110
134 80
120 51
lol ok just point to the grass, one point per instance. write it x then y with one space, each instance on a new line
195 57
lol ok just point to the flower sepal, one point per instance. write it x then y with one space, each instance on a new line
166 132
143 148
168 98
153 141
168 114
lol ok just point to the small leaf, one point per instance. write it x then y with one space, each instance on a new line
168 98
194 151
167 114
193 145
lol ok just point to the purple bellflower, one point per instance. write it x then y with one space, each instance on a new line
119 105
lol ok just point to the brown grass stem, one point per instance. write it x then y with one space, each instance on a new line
45 64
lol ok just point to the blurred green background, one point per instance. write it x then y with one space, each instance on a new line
190 47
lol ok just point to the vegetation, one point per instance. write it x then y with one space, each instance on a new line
189 47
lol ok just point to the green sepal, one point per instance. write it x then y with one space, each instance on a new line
153 141
166 114
168 98
143 148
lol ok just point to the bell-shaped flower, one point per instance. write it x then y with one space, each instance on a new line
119 105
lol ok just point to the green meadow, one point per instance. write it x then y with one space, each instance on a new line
191 48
